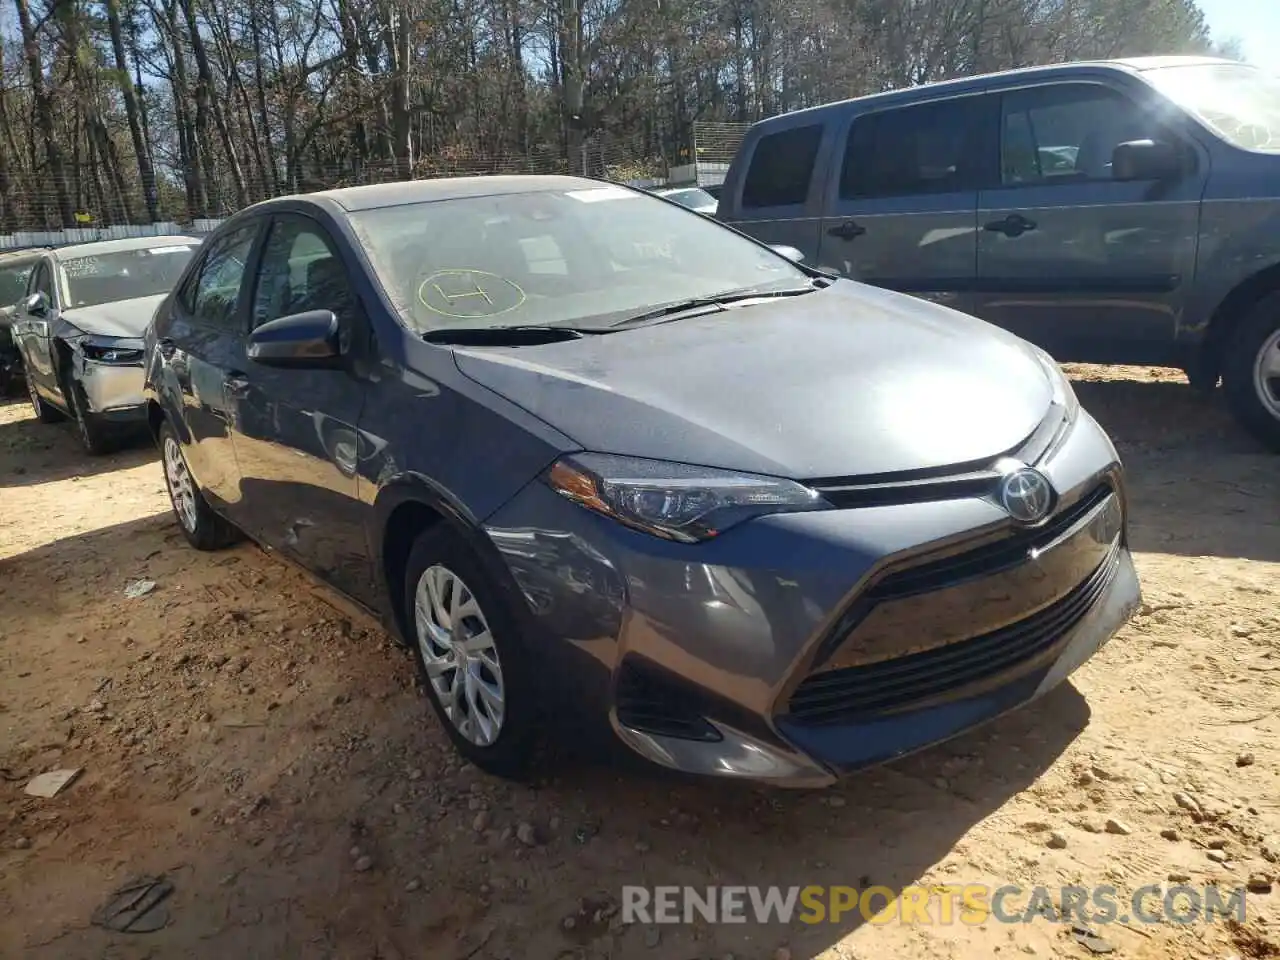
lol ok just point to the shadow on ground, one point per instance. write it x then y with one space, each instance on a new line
32 452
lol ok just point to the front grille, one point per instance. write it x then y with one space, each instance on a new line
846 695
959 566
985 560
650 703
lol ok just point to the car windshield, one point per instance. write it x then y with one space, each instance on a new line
1240 102
13 283
123 275
556 258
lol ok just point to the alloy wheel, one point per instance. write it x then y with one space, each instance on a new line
459 655
182 491
1266 374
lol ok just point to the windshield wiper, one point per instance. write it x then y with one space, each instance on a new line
720 299
514 336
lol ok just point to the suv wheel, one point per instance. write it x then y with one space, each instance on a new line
1251 371
467 645
204 529
44 412
94 436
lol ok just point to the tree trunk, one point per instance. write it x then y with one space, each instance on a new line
42 106
189 146
264 119
145 172
205 95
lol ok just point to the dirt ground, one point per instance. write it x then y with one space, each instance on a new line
242 736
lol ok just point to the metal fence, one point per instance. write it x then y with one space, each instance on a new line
58 238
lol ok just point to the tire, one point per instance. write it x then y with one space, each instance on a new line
203 528
1252 349
44 412
1202 379
501 742
95 436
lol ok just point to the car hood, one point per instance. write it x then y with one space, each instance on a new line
120 318
848 381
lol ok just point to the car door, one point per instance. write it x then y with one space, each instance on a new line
902 205
204 347
33 333
774 202
296 434
1087 266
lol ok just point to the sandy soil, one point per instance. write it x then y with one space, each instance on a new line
242 735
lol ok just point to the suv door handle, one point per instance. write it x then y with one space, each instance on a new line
236 386
1014 225
847 230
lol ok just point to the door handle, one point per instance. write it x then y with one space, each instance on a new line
847 230
165 347
1014 225
236 386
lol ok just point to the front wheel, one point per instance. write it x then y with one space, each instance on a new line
1251 371
468 649
94 436
203 528
44 412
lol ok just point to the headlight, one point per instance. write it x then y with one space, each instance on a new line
674 500
1063 395
110 353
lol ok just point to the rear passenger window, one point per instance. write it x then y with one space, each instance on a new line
781 168
931 148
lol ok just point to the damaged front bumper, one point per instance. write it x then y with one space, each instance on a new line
110 373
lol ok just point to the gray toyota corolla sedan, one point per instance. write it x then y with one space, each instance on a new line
592 454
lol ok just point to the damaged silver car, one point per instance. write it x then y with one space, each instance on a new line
79 330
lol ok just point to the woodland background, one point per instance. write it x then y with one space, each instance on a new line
136 111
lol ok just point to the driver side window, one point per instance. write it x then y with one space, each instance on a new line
299 272
1066 133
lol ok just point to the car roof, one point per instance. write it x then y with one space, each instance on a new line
1134 65
98 247
21 254
401 192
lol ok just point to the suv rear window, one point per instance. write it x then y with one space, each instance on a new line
929 148
781 168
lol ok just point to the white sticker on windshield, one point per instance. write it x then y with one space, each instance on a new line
174 249
596 194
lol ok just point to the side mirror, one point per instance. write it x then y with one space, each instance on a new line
1146 160
300 340
37 305
791 253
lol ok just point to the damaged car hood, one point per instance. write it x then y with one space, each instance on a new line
842 382
120 318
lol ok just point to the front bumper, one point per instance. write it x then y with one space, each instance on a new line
114 391
778 652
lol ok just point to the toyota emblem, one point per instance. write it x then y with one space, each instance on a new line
1026 495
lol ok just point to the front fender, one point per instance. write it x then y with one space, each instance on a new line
160 388
1238 241
415 488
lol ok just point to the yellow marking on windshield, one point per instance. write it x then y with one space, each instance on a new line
463 286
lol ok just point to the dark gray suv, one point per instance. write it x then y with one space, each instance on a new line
1118 212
